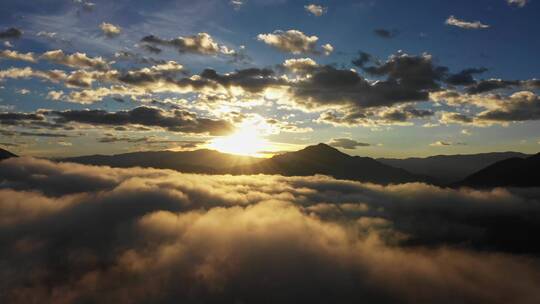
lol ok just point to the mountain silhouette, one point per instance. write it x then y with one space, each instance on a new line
449 169
6 154
198 161
316 159
513 172
323 159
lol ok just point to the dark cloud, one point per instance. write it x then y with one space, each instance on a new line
332 86
13 118
362 59
252 79
174 121
11 33
152 141
32 134
145 236
465 77
414 72
151 49
483 86
384 33
347 143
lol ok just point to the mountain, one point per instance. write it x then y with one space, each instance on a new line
513 172
323 159
449 169
6 154
198 161
317 159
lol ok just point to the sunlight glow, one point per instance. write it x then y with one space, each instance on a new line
248 140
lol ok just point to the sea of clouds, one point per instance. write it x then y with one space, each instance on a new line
72 233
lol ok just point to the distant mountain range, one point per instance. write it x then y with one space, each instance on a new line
317 159
198 161
448 169
323 159
484 170
6 154
512 172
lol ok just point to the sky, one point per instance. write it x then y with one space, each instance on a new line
375 78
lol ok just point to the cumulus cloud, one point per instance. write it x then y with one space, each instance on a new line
347 143
407 79
295 42
453 21
202 43
315 10
75 60
110 30
14 55
300 64
520 106
327 49
493 108
166 236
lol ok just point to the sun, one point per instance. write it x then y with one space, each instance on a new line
248 141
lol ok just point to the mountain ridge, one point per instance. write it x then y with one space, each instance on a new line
512 172
448 169
315 159
5 154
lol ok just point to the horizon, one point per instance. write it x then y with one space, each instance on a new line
269 155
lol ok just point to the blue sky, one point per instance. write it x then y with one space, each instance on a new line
287 113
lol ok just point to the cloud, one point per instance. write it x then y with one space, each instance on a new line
236 4
23 91
269 238
453 21
442 143
487 85
110 30
14 55
454 117
315 10
202 44
295 42
175 121
9 118
152 141
347 143
11 33
518 3
384 33
75 60
327 49
302 65
32 134
520 106
408 79
465 77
